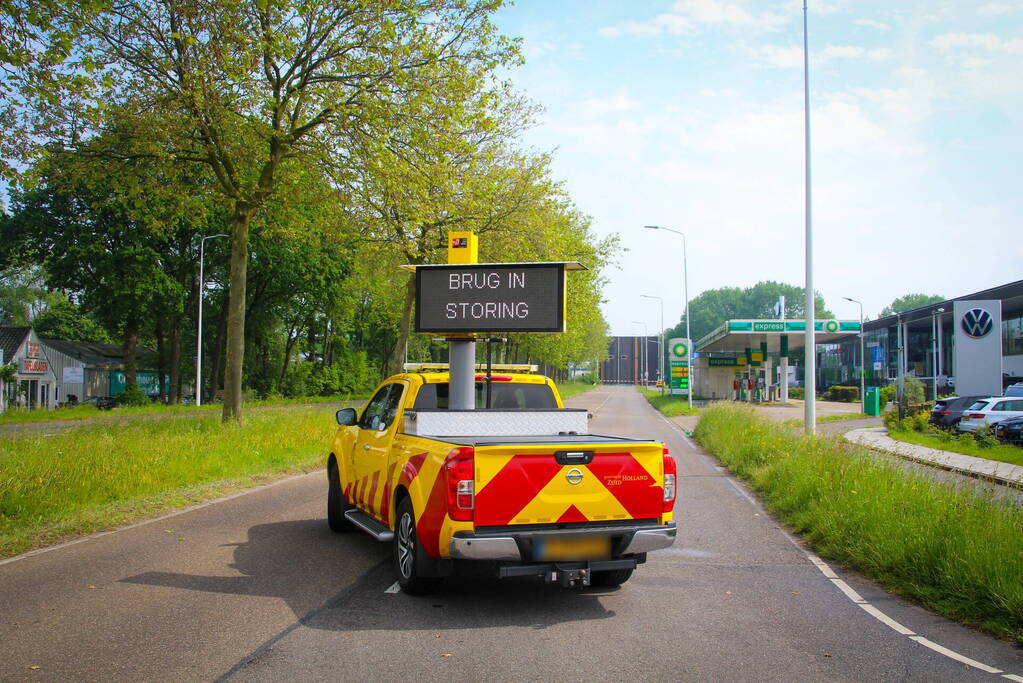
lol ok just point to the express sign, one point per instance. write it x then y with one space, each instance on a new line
33 366
506 297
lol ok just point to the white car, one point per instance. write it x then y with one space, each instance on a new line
988 411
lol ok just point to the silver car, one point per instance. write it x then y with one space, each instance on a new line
986 411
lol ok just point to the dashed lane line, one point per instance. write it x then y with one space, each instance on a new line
850 593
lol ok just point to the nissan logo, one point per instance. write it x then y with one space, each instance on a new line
977 323
574 475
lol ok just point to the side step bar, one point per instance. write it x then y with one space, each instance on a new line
369 525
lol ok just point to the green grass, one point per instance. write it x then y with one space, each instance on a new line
85 412
98 476
667 404
957 551
961 443
573 388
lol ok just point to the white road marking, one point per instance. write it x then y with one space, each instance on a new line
393 588
848 590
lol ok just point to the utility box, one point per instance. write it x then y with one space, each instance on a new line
872 401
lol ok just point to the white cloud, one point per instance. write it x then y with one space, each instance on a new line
782 57
880 26
687 17
975 63
791 57
598 107
998 9
986 41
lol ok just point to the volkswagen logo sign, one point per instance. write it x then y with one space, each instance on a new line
574 475
977 323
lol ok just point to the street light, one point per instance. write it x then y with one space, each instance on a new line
935 358
863 362
198 343
644 362
685 293
660 341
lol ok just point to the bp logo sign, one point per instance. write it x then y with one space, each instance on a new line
831 326
977 323
680 350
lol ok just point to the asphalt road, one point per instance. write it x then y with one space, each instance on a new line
256 588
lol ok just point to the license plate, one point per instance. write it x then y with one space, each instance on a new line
571 548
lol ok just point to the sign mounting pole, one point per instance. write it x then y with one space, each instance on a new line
463 248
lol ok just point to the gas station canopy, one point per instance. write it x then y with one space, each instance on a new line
735 336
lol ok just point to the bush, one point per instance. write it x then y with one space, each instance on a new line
796 392
886 394
133 395
841 393
914 391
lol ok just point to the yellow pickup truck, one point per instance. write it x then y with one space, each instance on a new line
518 486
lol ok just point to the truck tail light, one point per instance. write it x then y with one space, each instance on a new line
459 476
669 481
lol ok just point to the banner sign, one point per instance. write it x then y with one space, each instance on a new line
505 297
33 366
74 375
978 347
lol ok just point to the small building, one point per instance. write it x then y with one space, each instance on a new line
87 369
34 384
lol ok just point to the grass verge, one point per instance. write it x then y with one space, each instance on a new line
573 388
667 404
960 443
99 476
958 552
86 412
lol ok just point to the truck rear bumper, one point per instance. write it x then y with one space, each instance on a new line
517 546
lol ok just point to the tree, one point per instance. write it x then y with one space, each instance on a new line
247 89
712 308
910 301
69 322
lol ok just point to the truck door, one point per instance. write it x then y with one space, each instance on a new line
377 427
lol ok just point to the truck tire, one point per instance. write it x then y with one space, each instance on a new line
336 503
610 579
407 553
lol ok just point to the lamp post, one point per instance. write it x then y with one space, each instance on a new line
809 340
198 343
863 362
935 359
660 341
685 293
644 362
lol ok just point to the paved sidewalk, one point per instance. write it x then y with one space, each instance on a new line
877 437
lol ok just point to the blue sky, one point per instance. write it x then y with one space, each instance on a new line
689 114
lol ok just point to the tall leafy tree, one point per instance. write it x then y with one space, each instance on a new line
248 87
908 302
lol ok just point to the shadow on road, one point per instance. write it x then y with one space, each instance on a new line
299 562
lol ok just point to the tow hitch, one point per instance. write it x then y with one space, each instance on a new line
568 578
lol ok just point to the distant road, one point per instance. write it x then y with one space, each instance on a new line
255 587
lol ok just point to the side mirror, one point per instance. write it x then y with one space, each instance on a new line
347 417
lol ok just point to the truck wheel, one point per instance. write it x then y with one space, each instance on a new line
336 503
611 578
406 553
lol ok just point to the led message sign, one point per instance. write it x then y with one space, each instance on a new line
503 297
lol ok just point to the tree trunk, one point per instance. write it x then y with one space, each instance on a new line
397 362
288 346
215 366
175 362
161 362
131 342
236 312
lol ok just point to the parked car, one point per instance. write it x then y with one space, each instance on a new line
1014 390
1010 431
947 411
988 411
102 402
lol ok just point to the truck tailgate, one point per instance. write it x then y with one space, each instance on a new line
569 483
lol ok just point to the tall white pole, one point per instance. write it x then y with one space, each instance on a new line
685 293
660 341
198 343
809 340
